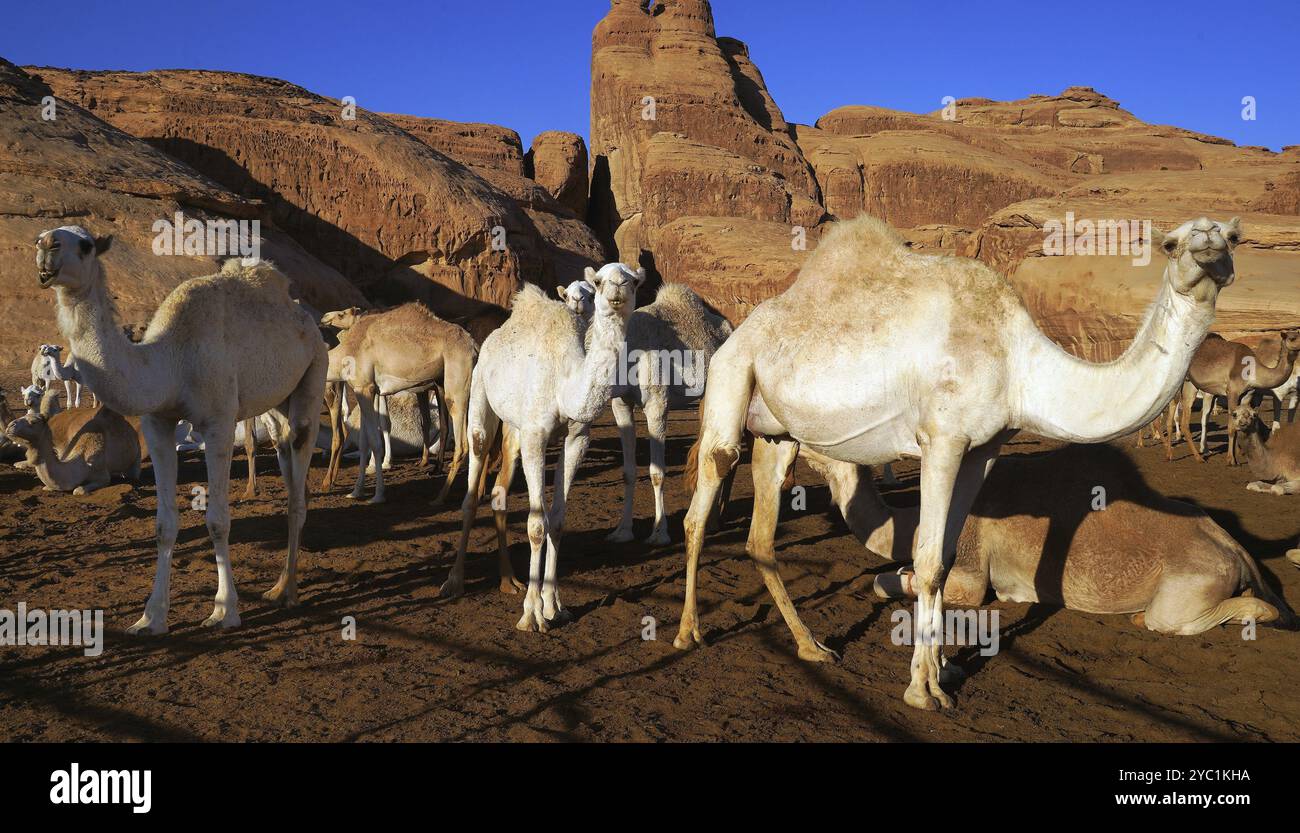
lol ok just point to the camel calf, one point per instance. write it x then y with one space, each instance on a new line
102 445
1035 535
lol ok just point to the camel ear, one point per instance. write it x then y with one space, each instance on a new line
640 276
102 244
1232 231
590 276
559 290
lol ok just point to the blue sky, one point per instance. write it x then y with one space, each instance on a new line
527 64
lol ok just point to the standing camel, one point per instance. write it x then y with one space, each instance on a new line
669 345
536 378
220 349
1231 370
878 352
405 348
67 373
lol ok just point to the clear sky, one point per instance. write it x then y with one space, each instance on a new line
527 64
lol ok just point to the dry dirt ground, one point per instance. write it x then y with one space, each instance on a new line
424 670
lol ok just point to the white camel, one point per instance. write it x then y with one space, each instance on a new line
877 352
67 373
579 296
219 349
669 345
535 376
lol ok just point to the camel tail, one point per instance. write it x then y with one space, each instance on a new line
1252 579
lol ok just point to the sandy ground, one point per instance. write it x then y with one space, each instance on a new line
424 670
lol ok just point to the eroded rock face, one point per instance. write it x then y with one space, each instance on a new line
78 170
557 161
666 72
469 143
362 194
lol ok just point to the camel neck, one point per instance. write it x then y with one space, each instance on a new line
587 390
1063 397
128 378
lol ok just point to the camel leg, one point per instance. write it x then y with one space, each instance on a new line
656 417
1207 405
422 412
485 425
509 459
627 436
370 443
1187 607
335 400
1185 419
386 423
219 437
459 410
250 454
566 469
443 419
160 438
722 418
951 477
771 462
1233 398
295 444
532 449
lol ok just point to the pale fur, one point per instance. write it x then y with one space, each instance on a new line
101 444
535 379
878 352
1274 460
218 350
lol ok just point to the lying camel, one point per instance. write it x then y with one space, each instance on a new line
1035 535
1274 459
105 444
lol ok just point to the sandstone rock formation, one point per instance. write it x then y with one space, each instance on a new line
377 203
76 169
558 162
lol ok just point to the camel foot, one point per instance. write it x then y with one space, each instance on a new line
452 588
1139 619
688 636
510 585
355 494
278 595
533 620
927 698
80 490
149 625
620 536
817 652
223 618
378 498
1293 556
659 538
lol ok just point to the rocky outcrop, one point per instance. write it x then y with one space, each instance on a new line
663 70
557 161
74 168
474 145
364 195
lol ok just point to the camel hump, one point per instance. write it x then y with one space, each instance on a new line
864 233
262 273
534 308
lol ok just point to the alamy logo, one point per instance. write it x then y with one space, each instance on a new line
1098 237
111 786
84 628
213 238
677 368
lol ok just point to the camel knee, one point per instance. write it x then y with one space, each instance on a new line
723 458
219 528
536 528
656 478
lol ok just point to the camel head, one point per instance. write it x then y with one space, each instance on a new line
1200 257
68 257
32 396
342 319
579 296
51 351
1291 342
615 285
1243 418
26 429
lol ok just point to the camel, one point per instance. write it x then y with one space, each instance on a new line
8 449
1228 369
104 445
67 373
1273 458
405 348
1034 534
669 345
877 352
43 373
219 349
535 378
580 297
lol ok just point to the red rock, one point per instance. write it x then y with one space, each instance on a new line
558 162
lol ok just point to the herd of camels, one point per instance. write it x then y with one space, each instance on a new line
233 354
